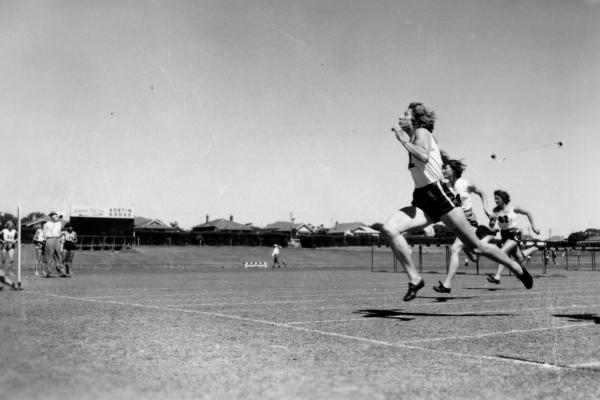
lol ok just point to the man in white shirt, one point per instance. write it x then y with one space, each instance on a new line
275 256
52 234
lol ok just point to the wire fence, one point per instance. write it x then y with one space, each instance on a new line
436 259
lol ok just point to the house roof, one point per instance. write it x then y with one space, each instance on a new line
282 226
141 223
346 227
366 229
592 238
223 225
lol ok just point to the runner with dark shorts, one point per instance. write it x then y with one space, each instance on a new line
432 200
505 216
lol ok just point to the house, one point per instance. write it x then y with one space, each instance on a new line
222 225
591 241
155 232
352 229
141 224
284 226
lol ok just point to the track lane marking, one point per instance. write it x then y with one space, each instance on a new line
353 306
525 295
321 332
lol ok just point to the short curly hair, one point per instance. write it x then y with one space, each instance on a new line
422 116
457 166
503 195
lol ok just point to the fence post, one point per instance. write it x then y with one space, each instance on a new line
567 257
420 258
371 258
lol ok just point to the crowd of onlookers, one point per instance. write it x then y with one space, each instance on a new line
54 246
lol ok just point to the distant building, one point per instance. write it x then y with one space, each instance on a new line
222 225
285 226
141 224
352 229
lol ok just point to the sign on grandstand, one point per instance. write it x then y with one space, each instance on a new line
102 212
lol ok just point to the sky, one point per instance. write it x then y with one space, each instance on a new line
259 109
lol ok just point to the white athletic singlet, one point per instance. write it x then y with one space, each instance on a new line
8 236
425 173
507 218
70 236
39 235
461 187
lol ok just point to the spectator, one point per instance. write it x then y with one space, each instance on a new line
52 234
275 256
39 244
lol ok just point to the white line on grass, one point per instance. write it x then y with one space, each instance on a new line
320 332
591 364
355 305
306 292
483 335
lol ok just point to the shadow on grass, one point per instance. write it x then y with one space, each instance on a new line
439 299
446 299
409 316
489 289
549 276
580 317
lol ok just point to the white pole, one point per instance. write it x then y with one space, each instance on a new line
19 247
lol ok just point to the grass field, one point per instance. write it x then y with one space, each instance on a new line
191 323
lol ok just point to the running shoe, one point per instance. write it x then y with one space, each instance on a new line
441 288
492 279
526 278
413 289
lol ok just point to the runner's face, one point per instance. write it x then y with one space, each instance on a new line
498 200
405 119
448 172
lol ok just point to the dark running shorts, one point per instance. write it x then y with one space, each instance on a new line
472 218
511 234
483 231
434 199
69 245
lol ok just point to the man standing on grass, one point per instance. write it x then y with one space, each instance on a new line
275 256
52 234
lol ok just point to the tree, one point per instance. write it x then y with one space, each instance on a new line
34 215
6 216
577 236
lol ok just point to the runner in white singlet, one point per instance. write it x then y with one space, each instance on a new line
8 238
453 170
505 216
432 200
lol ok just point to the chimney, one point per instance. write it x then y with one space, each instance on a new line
336 225
231 218
207 218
